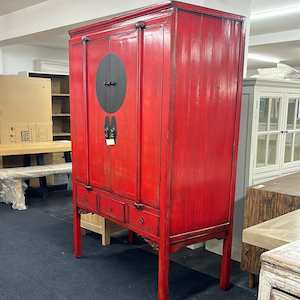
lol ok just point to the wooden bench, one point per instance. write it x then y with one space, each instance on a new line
12 181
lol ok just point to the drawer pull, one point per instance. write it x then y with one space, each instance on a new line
139 206
141 220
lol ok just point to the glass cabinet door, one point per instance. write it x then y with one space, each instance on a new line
268 131
292 132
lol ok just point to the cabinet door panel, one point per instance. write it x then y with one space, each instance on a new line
99 153
124 153
152 86
78 115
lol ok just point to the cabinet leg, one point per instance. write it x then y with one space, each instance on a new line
226 262
76 232
251 280
130 237
163 273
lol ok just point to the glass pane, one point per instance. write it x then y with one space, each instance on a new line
298 114
261 150
274 113
288 147
272 150
291 114
263 114
297 147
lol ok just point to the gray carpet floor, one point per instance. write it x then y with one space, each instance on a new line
36 262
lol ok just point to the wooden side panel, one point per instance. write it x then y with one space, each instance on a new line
78 114
152 87
207 74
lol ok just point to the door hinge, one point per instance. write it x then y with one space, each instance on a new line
139 206
85 39
140 25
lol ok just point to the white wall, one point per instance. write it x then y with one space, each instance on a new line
16 58
1 61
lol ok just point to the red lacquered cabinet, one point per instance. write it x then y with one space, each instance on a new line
155 107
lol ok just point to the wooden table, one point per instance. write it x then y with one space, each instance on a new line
15 186
264 202
280 273
275 232
35 148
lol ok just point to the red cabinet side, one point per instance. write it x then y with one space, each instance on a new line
207 74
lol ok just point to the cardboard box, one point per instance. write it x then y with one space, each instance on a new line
25 109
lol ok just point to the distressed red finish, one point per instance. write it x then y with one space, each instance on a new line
170 177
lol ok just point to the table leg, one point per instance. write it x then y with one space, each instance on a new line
27 163
43 180
67 156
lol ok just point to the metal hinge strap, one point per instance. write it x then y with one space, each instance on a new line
85 39
140 25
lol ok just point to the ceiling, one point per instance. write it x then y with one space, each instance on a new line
259 5
269 30
287 52
8 6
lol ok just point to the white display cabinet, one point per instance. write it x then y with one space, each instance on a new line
272 117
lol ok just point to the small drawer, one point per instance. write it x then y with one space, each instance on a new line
82 196
144 220
86 199
112 208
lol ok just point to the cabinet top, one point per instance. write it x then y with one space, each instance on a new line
156 8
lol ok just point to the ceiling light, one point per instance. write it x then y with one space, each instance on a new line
263 58
275 12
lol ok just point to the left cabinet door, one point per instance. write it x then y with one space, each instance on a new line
78 106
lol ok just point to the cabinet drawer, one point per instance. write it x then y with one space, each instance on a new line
86 199
280 295
82 196
112 208
143 220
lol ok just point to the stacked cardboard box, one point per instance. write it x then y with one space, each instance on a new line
25 110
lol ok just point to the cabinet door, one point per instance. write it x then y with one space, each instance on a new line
292 131
99 153
268 131
113 110
78 114
154 36
124 110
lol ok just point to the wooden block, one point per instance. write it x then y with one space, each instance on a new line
100 225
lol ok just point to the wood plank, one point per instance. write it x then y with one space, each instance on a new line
35 148
275 232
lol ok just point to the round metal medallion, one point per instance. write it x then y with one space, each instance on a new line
111 83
